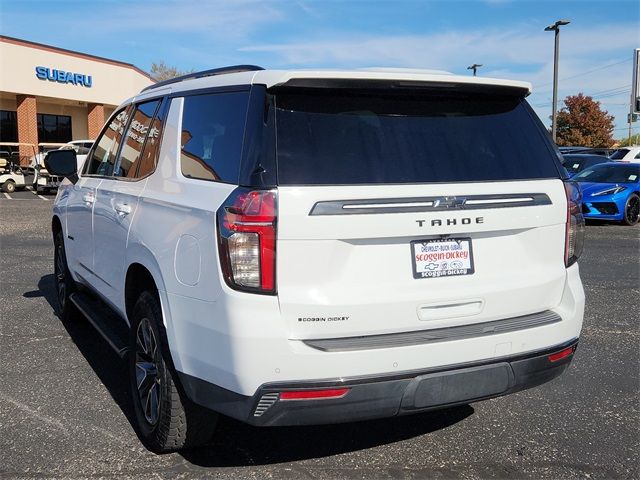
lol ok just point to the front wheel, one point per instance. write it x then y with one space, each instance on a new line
632 210
65 285
167 421
9 186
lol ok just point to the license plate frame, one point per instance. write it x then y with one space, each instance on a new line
452 249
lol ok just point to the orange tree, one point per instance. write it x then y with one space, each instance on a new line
582 122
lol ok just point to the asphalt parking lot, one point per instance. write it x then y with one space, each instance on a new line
64 409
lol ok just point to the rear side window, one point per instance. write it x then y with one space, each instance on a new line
149 157
212 135
104 155
137 132
351 137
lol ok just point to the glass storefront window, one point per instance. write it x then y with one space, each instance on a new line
54 128
8 126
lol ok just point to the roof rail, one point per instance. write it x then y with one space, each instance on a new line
205 73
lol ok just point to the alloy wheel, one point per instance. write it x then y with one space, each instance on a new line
61 278
633 210
147 376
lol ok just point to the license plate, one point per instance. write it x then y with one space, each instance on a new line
442 258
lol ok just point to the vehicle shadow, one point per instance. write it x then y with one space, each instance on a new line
238 444
110 369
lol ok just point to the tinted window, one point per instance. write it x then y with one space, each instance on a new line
619 154
137 132
369 138
54 128
104 154
610 174
571 164
576 163
212 134
152 144
8 126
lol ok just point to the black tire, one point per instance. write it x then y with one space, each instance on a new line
9 186
65 285
167 421
632 210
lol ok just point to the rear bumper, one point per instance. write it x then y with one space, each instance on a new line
384 396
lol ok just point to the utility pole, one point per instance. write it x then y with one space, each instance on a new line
635 90
474 67
555 28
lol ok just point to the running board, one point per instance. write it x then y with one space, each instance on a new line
104 320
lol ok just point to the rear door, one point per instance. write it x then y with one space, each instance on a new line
415 210
117 198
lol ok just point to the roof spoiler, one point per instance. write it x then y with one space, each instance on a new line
400 85
205 73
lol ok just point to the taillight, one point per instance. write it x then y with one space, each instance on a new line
554 357
247 240
574 236
314 394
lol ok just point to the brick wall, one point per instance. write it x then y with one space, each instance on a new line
95 119
27 125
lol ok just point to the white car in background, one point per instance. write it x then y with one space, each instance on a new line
42 180
81 147
627 154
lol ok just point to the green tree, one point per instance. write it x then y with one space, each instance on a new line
582 122
160 71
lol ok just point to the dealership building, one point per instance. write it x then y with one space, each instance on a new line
49 94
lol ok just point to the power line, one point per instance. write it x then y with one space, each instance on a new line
587 72
604 95
610 89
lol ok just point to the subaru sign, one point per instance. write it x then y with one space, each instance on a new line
60 76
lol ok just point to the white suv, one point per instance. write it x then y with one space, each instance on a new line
306 247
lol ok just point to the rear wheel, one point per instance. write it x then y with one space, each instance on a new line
167 421
632 210
9 186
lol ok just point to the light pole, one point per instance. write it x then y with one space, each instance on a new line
474 67
555 28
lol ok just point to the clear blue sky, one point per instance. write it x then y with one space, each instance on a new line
505 35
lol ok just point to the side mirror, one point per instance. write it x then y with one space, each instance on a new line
62 163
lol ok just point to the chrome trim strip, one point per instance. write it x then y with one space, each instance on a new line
421 337
428 204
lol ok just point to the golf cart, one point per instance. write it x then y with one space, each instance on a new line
11 174
42 180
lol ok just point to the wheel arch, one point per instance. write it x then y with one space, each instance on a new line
142 264
143 273
137 280
56 225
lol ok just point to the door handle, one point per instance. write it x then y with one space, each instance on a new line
89 198
122 208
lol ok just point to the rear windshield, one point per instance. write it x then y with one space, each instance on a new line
575 163
618 154
370 138
610 174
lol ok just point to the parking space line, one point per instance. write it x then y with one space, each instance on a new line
35 192
7 195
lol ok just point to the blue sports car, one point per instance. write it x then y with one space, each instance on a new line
611 191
